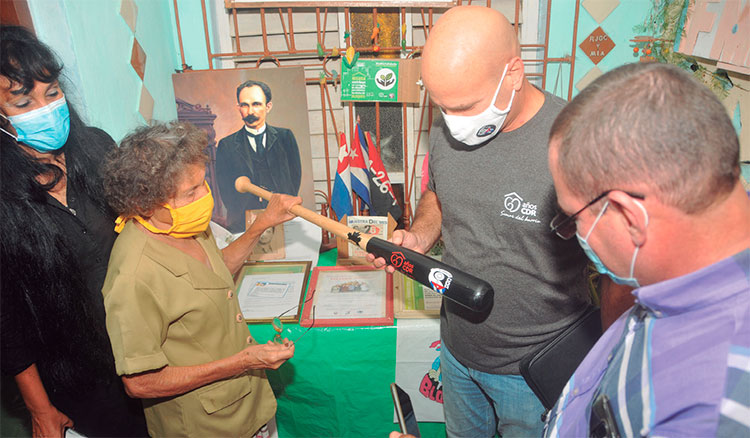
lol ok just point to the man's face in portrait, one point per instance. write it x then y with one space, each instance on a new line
253 107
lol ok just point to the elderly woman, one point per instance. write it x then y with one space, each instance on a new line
179 339
56 239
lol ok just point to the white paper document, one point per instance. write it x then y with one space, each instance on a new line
269 295
355 294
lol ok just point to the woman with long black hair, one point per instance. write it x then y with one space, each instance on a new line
54 247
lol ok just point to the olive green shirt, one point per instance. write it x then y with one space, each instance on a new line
165 308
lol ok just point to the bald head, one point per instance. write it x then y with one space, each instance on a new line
466 52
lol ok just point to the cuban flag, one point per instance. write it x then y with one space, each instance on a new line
359 165
341 198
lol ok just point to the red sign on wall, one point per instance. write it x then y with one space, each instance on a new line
597 45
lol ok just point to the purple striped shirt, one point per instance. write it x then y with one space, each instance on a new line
676 364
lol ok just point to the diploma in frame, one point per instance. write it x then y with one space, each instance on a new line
266 290
414 300
349 296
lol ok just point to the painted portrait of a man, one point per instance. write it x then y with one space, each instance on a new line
258 127
267 154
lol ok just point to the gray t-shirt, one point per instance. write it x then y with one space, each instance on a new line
497 202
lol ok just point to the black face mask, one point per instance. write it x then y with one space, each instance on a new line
251 118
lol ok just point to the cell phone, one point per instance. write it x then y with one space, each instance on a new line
407 421
602 423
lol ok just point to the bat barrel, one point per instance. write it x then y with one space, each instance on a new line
454 284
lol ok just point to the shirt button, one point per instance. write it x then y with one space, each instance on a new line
230 294
575 391
239 317
609 358
658 314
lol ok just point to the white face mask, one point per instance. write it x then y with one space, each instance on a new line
474 130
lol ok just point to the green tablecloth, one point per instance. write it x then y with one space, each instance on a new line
338 382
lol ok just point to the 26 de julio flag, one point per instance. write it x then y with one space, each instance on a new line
383 200
359 167
341 198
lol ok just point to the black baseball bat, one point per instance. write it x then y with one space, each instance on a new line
454 284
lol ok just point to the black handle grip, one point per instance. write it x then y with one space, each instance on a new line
463 288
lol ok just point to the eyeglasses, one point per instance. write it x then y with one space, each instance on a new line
278 326
565 226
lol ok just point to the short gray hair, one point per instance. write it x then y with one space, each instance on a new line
648 124
143 173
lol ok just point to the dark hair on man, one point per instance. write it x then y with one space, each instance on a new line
263 86
143 173
648 125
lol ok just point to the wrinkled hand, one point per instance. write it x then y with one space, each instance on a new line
402 238
277 211
50 423
269 355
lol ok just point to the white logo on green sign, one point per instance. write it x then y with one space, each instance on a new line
385 79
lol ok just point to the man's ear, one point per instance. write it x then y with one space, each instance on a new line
516 72
633 213
269 105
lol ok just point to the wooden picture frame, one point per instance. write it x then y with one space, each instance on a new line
348 253
266 290
349 296
270 245
412 299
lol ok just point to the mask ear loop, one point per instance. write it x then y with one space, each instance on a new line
9 134
153 229
599 216
637 248
497 92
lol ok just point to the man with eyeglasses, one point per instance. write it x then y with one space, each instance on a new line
646 163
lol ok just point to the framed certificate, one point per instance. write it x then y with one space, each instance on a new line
270 245
349 296
267 290
414 300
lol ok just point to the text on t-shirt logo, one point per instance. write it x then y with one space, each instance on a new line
516 208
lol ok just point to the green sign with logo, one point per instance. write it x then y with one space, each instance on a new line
370 80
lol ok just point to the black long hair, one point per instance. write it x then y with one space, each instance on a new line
43 291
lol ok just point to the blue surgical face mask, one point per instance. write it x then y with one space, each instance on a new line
477 129
45 129
600 267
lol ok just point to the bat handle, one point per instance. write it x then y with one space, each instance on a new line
465 289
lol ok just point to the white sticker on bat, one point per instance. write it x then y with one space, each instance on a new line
440 279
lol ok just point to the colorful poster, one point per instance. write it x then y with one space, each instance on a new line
370 80
418 366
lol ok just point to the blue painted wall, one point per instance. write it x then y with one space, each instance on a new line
618 25
95 44
193 35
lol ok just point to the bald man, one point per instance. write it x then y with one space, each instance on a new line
491 197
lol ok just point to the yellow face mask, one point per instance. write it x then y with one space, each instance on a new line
187 221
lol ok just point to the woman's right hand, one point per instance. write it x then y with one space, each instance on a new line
49 423
277 211
267 356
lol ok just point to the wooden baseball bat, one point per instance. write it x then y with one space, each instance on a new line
452 283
